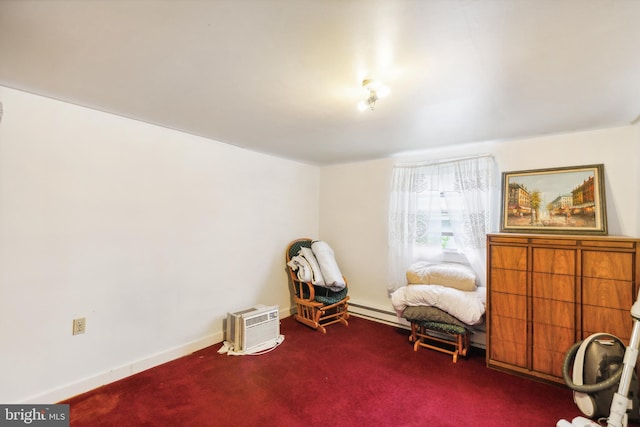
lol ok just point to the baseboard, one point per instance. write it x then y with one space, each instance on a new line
87 384
73 389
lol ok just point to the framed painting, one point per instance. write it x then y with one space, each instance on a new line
568 200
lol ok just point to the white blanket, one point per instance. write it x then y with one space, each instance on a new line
302 267
316 273
330 272
468 306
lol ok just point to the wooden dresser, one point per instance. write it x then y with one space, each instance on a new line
546 292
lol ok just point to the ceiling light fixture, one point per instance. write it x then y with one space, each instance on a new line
374 91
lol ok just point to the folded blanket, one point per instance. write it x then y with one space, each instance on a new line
316 273
468 307
330 272
449 274
303 268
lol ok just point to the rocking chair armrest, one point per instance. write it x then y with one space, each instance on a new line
304 288
308 303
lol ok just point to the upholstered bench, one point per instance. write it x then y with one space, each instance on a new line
442 301
437 330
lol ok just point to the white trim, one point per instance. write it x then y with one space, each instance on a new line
82 386
90 383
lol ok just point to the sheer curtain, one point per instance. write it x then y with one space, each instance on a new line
416 210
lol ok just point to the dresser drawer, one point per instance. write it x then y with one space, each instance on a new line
554 286
509 257
602 319
509 281
509 305
553 312
607 293
607 265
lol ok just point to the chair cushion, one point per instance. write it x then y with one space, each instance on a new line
295 247
430 314
443 327
327 296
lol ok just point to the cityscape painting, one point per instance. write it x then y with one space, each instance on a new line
558 200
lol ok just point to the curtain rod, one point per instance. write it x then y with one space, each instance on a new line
439 162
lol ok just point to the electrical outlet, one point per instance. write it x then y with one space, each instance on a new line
79 325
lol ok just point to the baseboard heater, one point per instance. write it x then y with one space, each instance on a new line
478 337
379 315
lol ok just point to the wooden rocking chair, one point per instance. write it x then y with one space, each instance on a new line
316 306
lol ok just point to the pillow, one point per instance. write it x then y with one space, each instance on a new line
450 275
431 314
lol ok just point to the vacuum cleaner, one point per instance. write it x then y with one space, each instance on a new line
603 378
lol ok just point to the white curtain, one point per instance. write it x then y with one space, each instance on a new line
415 212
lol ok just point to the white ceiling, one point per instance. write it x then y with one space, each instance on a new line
284 76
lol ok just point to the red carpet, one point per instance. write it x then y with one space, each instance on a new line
366 374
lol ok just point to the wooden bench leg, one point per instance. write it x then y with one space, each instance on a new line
414 330
460 343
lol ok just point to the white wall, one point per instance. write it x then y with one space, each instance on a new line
354 197
151 234
354 201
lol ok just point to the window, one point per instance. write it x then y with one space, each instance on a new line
440 212
444 235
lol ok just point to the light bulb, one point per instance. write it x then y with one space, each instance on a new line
383 91
374 91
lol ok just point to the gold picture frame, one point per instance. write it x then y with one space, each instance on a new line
566 200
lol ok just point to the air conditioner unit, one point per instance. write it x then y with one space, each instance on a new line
254 329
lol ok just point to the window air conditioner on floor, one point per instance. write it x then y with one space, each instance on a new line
254 329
